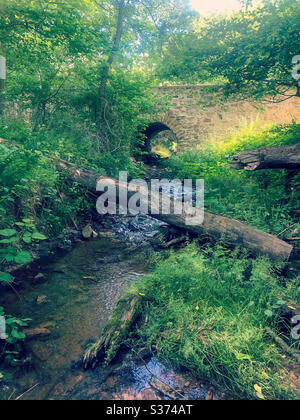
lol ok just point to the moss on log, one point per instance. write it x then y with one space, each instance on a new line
115 333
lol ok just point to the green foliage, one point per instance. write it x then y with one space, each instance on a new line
33 196
267 200
56 56
208 314
11 344
250 51
14 328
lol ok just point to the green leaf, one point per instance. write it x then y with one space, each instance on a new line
5 277
27 239
17 334
9 240
268 313
241 356
8 232
39 236
23 257
9 257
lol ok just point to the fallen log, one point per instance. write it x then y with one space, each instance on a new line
115 332
284 157
230 230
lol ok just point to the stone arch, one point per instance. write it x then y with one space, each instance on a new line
153 129
196 115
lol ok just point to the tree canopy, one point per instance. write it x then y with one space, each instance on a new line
90 66
250 51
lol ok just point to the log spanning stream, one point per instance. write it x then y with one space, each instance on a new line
71 307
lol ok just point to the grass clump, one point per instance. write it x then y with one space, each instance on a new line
210 314
267 200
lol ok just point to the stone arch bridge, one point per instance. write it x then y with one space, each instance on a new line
194 116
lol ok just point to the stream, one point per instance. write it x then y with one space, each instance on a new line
69 308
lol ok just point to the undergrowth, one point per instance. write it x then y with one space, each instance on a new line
210 314
267 200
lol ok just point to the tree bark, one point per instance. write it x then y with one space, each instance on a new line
232 231
285 157
112 56
115 333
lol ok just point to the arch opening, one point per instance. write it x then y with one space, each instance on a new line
160 140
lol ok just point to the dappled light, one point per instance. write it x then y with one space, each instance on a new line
149 203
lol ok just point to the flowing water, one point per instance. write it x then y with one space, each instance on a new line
72 306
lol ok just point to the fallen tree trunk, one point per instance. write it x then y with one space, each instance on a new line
285 157
232 231
115 333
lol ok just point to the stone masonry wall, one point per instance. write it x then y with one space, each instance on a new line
194 123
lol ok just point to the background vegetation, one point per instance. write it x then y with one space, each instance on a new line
80 86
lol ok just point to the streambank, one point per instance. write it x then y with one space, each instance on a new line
69 310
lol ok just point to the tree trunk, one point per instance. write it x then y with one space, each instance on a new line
113 54
115 333
231 230
285 157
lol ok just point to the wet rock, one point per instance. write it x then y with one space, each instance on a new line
107 234
41 299
27 381
105 396
67 385
39 279
87 232
149 395
112 381
210 394
165 390
37 333
40 351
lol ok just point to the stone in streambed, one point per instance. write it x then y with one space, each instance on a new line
40 351
37 333
39 279
89 233
41 299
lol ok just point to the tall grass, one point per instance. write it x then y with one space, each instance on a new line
268 200
208 311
